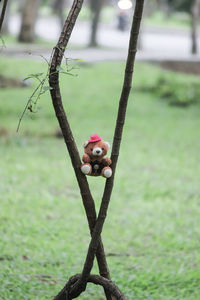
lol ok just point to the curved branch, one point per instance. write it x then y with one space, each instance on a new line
108 285
115 148
87 198
75 288
3 13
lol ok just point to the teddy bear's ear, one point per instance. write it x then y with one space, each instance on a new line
85 144
108 145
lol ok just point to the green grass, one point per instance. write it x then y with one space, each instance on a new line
151 235
11 40
174 88
174 20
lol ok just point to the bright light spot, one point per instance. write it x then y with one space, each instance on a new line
125 4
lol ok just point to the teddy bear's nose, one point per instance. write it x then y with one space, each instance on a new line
97 151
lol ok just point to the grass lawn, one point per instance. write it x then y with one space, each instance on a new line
174 20
151 235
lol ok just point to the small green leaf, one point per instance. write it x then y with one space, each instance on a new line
47 88
60 69
27 78
79 59
33 76
71 74
39 74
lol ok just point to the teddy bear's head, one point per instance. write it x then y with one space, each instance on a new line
96 148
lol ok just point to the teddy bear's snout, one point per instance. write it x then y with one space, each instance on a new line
97 151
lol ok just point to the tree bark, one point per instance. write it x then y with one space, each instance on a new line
96 6
29 17
194 26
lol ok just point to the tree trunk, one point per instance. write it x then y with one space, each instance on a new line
96 6
20 6
194 26
164 5
29 17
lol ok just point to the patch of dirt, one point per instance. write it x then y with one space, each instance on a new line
11 82
188 67
4 132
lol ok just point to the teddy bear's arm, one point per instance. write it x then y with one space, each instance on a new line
86 158
106 161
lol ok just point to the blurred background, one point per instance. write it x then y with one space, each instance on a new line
151 234
169 29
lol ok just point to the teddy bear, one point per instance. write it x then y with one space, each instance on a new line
94 163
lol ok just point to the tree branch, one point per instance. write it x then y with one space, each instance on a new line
75 287
87 198
3 13
108 285
75 291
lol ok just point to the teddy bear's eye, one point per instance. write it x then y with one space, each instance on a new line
102 148
91 149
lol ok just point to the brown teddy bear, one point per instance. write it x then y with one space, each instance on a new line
94 162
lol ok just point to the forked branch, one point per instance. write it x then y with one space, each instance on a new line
77 284
115 148
87 198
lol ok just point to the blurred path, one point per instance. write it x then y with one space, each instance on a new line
157 43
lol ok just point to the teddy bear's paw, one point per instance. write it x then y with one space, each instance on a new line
107 173
86 169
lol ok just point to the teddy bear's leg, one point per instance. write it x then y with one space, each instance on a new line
106 172
86 169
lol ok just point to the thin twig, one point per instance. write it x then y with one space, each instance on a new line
38 89
27 105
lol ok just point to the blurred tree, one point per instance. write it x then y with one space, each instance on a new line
29 16
58 8
20 5
154 5
181 5
193 8
194 23
95 6
5 28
